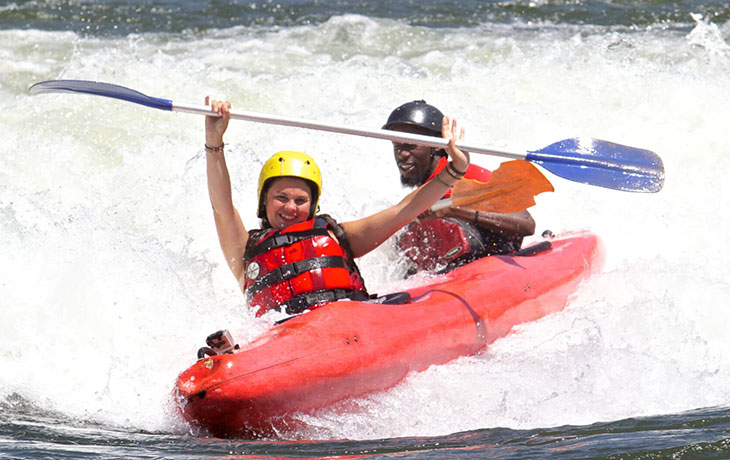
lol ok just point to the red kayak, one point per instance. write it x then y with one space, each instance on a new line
348 349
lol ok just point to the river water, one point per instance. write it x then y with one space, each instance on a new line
111 276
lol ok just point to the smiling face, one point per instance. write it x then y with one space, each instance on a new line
288 201
415 162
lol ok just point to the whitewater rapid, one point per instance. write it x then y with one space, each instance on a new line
111 276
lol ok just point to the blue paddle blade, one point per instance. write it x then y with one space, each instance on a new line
602 163
100 89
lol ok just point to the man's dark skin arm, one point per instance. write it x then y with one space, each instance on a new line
518 223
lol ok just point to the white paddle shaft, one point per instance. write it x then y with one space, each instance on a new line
394 136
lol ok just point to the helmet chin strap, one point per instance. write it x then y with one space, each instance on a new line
435 155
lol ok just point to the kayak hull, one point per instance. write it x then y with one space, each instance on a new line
348 349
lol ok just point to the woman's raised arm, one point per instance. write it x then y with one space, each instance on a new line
232 234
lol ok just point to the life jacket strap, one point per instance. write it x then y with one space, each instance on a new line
289 271
284 239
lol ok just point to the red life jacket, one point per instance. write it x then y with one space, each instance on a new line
440 243
300 267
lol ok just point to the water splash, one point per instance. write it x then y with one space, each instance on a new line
111 265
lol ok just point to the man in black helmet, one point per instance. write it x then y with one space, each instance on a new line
448 238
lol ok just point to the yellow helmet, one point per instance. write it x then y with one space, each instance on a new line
290 164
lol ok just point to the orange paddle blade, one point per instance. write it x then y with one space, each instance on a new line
511 188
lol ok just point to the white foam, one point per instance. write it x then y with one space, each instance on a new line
111 266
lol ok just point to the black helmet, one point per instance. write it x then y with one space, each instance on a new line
416 113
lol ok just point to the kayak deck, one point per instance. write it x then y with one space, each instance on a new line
348 349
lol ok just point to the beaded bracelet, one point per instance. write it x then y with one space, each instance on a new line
215 149
451 166
452 174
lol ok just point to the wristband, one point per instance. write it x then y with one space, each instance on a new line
451 173
215 149
456 171
438 178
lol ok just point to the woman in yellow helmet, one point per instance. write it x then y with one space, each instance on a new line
298 260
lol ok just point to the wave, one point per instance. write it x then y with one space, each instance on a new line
112 275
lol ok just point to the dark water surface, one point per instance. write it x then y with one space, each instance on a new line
28 433
120 17
28 430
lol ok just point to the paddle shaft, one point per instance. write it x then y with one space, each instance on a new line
442 204
394 136
584 160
